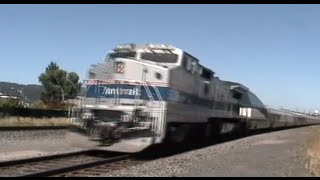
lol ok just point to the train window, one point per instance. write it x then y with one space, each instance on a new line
200 70
250 99
236 95
194 67
184 62
189 64
206 74
206 89
126 54
255 101
160 57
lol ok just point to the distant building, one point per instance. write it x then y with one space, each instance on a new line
15 98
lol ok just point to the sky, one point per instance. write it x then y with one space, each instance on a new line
272 49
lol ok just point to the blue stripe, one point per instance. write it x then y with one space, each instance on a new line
126 91
131 91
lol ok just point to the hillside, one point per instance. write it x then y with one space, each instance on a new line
30 92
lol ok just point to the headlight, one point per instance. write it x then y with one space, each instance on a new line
87 115
126 118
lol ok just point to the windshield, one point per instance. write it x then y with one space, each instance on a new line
160 57
121 55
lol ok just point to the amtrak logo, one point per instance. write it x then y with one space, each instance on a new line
121 91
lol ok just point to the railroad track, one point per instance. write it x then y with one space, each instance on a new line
94 162
100 169
84 163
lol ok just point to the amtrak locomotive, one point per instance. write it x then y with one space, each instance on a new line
150 93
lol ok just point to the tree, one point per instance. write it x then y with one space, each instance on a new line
59 85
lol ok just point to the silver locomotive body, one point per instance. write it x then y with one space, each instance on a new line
145 94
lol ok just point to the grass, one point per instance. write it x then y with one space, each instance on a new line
26 121
314 153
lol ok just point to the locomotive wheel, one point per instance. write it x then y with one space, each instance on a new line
178 133
94 132
244 130
209 133
217 125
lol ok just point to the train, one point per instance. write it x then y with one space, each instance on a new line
147 94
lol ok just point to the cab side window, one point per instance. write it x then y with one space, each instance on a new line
189 63
184 62
194 67
206 89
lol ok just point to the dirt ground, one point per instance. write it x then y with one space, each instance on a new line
314 152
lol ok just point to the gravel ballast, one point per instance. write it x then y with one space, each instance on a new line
20 144
281 153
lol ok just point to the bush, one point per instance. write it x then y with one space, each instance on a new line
38 105
9 103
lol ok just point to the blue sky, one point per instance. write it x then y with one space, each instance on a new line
272 49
